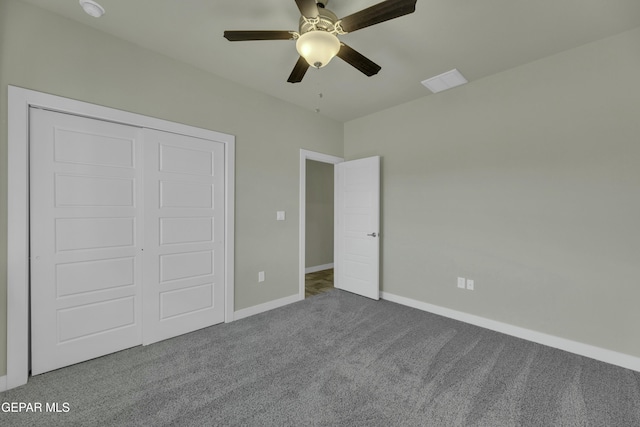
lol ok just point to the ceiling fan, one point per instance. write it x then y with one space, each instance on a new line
317 37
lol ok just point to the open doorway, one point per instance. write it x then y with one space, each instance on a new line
319 228
316 222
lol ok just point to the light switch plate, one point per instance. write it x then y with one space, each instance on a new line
280 215
261 276
461 282
470 284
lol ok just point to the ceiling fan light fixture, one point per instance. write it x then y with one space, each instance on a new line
318 47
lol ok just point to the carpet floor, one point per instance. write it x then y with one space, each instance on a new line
336 359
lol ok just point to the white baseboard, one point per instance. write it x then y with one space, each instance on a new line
598 353
261 308
318 268
3 383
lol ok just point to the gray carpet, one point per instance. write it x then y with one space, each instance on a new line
337 359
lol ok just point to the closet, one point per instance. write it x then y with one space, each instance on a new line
127 236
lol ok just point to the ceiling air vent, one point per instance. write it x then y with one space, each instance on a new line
445 81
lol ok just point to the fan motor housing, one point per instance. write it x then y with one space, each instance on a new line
325 21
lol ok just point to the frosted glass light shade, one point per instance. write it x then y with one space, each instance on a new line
318 47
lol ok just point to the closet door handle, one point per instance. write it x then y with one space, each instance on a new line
372 234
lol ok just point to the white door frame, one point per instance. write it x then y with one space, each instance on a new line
20 100
304 156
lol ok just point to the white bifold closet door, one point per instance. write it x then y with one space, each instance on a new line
184 234
126 237
86 259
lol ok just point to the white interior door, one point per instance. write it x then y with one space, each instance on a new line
357 227
184 230
85 235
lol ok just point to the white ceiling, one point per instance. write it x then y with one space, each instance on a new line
478 37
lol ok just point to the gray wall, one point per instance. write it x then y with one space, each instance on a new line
527 181
319 214
44 52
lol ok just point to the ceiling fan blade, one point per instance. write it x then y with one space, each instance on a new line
378 13
308 8
357 60
238 36
299 71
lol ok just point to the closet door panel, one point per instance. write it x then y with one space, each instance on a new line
184 228
86 273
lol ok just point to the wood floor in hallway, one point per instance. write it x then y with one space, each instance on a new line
318 282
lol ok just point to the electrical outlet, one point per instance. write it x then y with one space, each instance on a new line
261 276
470 284
280 215
461 282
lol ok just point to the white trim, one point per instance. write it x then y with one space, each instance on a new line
593 352
302 241
3 383
318 268
17 238
267 306
18 207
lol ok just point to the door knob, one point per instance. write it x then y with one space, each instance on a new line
372 234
